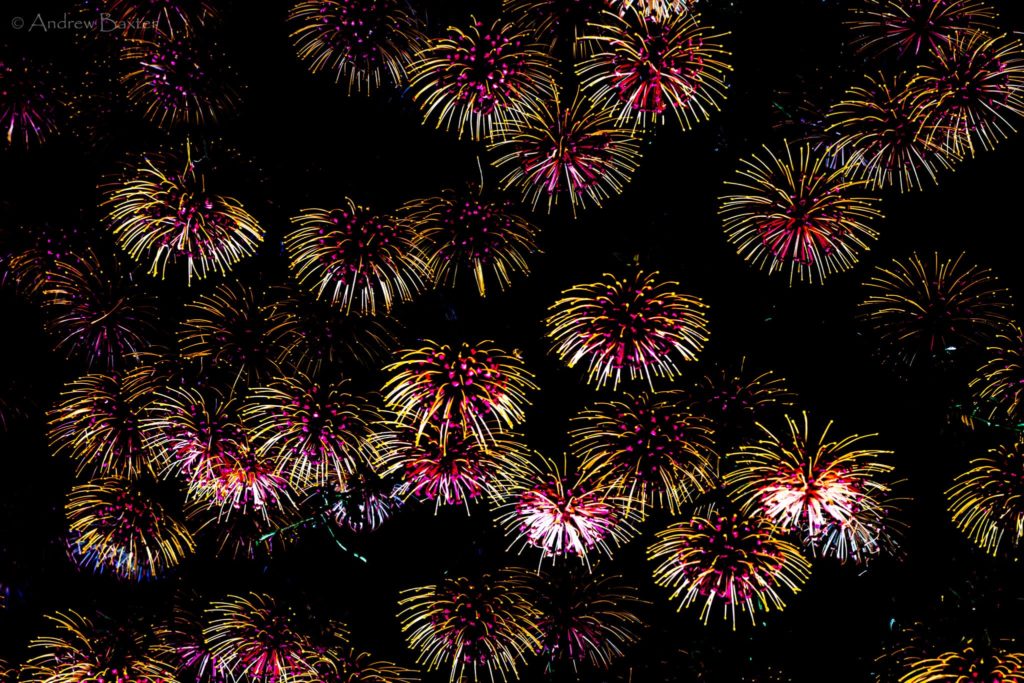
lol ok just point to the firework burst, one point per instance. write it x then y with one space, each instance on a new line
733 396
117 528
473 78
661 10
987 501
929 309
453 472
165 17
564 513
240 479
480 628
177 80
650 447
186 431
95 312
883 131
551 151
975 662
830 492
257 637
354 258
977 85
584 617
362 43
475 390
649 67
227 330
90 649
28 108
999 383
202 438
161 213
365 500
464 233
97 423
916 27
638 325
799 215
182 649
313 336
314 432
734 560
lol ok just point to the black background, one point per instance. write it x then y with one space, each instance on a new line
311 145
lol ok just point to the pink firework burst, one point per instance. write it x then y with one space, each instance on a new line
472 79
313 432
354 258
476 390
363 43
28 106
635 326
830 492
727 559
580 153
648 67
257 637
448 473
177 79
798 213
564 513
651 447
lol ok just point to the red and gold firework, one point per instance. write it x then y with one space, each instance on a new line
453 472
554 152
364 44
354 258
832 493
976 83
313 432
227 330
650 447
256 637
98 423
476 390
798 215
637 326
464 233
117 528
95 310
732 560
481 629
474 78
162 215
987 501
884 133
917 28
648 67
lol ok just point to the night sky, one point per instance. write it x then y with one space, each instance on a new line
298 140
